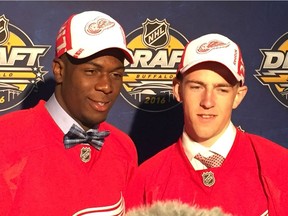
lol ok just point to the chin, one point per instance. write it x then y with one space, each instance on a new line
91 121
100 120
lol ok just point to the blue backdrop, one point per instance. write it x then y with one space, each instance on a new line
255 26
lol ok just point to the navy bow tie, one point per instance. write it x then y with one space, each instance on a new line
77 135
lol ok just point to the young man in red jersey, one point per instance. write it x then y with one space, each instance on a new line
246 174
46 168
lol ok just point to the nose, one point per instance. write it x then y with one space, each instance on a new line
207 99
104 83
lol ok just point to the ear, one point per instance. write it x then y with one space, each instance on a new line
241 92
58 70
177 90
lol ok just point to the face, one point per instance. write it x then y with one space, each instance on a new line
87 88
208 100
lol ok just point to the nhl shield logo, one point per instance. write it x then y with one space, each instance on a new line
157 49
4 33
208 179
85 154
155 33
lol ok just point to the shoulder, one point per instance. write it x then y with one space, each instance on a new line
270 155
21 130
265 145
21 117
271 158
162 160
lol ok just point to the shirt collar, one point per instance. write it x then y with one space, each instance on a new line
222 146
59 115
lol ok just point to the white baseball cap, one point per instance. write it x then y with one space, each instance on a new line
89 32
215 48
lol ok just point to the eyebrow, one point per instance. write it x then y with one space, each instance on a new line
121 67
203 84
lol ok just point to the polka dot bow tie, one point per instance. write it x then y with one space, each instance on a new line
76 135
215 160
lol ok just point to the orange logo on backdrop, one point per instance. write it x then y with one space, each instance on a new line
20 70
157 50
273 71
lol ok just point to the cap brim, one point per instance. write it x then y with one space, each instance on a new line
187 67
88 52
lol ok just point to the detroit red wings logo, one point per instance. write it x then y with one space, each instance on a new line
214 44
98 25
241 68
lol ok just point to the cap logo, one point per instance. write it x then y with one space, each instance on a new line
239 61
241 69
211 45
98 25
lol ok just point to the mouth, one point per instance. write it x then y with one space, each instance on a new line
207 116
100 106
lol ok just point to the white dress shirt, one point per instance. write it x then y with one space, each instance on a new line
222 146
59 115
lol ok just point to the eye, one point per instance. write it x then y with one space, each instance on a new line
195 87
117 75
223 89
90 71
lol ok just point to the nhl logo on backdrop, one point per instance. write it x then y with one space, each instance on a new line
4 33
273 71
20 70
157 50
155 33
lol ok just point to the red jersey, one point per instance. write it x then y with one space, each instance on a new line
38 176
251 181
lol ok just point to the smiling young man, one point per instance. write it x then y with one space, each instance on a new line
214 164
61 157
